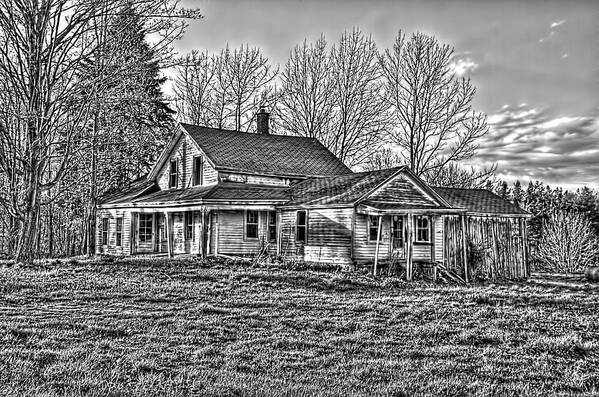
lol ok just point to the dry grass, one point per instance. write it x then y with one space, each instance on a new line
157 328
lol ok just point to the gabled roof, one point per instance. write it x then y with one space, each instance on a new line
265 154
480 201
367 187
228 191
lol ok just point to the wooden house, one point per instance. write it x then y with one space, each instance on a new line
220 192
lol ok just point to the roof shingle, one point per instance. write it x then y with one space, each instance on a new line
478 201
222 191
264 153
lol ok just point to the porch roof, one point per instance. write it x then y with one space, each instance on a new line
479 201
227 191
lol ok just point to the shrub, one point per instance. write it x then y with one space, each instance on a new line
568 243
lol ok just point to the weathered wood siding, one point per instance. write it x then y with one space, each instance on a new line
111 248
365 250
401 190
228 234
329 235
495 249
184 151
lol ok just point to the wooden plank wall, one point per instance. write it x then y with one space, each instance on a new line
500 242
229 234
364 250
329 235
111 248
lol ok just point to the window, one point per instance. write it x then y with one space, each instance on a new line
189 225
145 227
423 234
119 232
397 231
373 227
173 174
104 231
301 226
272 226
251 224
198 170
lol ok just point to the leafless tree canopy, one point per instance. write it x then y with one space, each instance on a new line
225 90
45 104
336 96
568 243
433 108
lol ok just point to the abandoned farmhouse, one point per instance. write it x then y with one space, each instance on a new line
226 192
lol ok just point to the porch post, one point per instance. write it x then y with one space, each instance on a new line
464 246
202 232
168 234
410 223
433 256
378 242
525 248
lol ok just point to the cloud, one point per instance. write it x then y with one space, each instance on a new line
552 27
462 66
528 144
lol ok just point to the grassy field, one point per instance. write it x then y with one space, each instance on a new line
158 328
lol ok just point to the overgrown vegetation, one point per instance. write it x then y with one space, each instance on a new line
156 327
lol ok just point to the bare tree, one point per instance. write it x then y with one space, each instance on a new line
44 106
193 88
336 96
432 107
457 176
306 102
383 159
568 243
223 91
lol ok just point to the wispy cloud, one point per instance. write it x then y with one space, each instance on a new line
462 66
552 27
528 144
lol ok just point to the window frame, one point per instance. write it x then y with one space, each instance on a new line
271 226
255 224
105 230
418 229
370 227
302 226
188 225
198 171
173 183
402 229
146 216
119 231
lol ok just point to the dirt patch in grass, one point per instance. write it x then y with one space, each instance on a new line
177 328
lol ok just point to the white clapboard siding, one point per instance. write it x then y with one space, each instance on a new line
111 248
184 152
364 250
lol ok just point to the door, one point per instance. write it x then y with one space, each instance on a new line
397 237
145 233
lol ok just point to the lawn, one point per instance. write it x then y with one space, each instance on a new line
160 328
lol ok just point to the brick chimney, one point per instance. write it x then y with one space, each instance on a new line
262 121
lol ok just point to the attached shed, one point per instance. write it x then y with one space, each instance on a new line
495 235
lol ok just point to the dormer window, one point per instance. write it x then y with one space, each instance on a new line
198 170
173 174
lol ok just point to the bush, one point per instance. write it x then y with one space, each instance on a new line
569 243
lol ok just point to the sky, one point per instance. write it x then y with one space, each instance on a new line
535 64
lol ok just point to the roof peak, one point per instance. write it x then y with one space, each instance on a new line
269 135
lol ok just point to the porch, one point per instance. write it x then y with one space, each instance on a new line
407 237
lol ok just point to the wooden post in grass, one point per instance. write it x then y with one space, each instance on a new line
169 249
378 242
464 247
409 239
